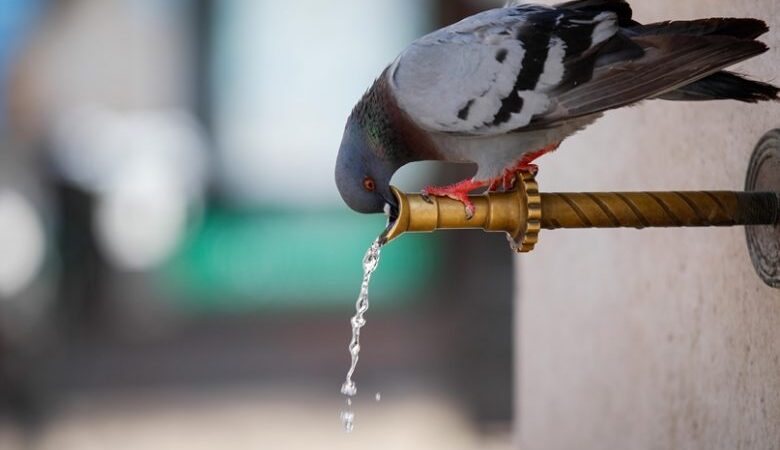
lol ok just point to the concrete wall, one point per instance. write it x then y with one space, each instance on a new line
654 339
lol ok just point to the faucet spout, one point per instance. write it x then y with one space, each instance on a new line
517 213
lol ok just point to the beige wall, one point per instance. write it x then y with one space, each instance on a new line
654 339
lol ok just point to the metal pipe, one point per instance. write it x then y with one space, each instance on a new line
523 212
658 209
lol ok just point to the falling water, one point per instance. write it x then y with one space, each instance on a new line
370 263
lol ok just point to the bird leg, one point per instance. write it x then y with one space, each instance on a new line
458 191
505 181
524 165
509 177
496 183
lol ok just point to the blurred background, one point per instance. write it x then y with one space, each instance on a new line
177 269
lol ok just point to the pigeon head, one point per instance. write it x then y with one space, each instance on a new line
362 175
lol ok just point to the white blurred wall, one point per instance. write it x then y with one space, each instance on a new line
287 75
118 54
659 339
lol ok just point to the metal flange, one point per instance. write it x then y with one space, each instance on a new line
764 240
526 240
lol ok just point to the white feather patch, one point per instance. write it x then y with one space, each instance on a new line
606 28
553 66
533 103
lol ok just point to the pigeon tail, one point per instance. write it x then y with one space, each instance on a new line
721 85
725 86
740 28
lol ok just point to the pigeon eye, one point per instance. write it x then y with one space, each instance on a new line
369 184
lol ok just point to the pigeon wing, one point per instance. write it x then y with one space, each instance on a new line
670 62
500 70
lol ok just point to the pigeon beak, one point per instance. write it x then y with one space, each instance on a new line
398 216
392 212
391 208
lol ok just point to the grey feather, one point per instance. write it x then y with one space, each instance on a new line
476 77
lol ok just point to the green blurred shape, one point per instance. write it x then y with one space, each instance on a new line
237 261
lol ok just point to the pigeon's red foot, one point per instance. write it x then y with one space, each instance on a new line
525 164
458 191
505 181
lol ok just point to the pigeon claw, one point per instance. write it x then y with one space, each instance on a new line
506 181
509 177
533 169
458 191
509 180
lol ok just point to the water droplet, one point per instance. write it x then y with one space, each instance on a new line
378 396
349 388
348 420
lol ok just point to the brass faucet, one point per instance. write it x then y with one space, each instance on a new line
523 212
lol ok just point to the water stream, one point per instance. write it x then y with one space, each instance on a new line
358 321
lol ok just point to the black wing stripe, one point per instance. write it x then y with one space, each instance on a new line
537 47
536 42
577 37
463 114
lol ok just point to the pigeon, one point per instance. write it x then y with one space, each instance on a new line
503 87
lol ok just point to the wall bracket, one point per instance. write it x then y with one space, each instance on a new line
764 240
